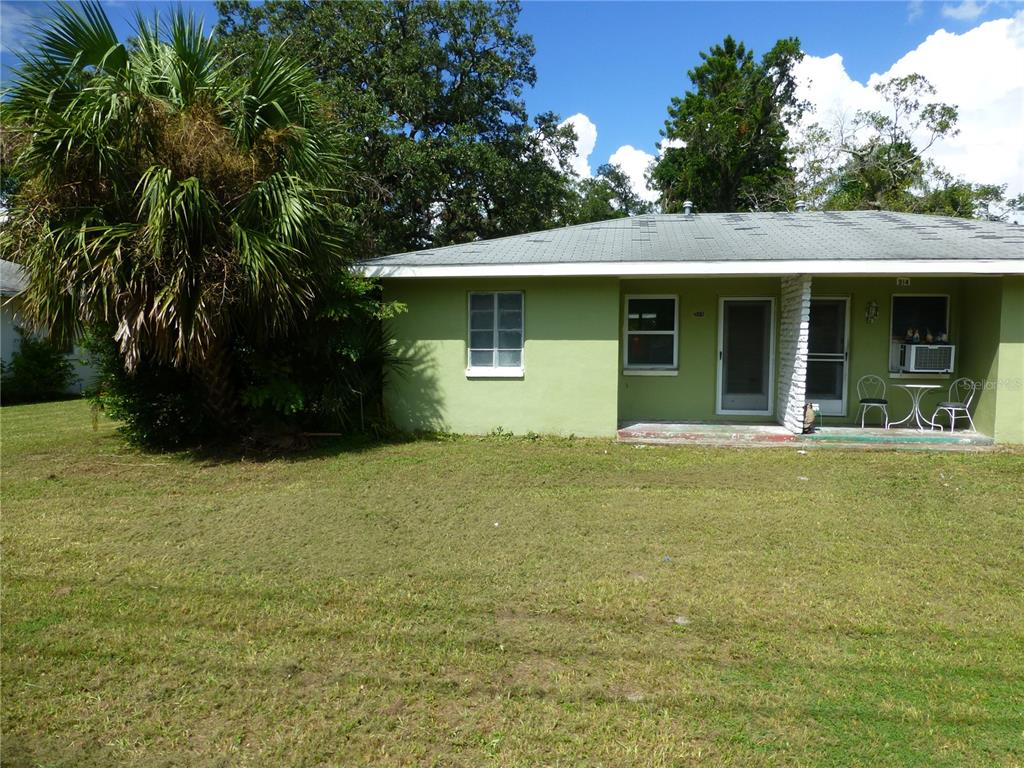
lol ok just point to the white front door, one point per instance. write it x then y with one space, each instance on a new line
746 352
827 354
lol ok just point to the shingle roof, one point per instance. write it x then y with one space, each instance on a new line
733 237
12 278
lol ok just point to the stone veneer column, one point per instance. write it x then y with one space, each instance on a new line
794 326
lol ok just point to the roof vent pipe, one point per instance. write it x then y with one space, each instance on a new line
801 206
688 207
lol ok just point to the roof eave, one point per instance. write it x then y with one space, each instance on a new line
751 268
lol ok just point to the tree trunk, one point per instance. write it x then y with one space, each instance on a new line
213 373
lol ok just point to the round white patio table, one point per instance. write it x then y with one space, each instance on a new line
916 392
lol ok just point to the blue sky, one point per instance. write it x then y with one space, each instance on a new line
619 63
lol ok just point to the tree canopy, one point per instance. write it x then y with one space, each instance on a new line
195 198
877 160
884 157
725 140
608 195
429 96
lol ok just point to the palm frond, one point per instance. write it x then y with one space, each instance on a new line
277 281
195 71
79 39
276 94
167 198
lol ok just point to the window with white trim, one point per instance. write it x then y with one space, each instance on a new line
651 332
919 328
496 332
921 314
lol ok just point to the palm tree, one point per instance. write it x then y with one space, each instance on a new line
165 197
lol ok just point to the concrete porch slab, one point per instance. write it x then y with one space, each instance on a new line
903 438
655 432
767 435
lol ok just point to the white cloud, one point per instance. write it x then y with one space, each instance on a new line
634 163
968 10
666 144
586 138
915 9
17 24
832 93
981 71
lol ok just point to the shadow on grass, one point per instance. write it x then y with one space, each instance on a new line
301 449
412 396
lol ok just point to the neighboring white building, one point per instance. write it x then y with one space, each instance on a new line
12 283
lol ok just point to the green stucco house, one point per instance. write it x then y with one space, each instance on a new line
707 318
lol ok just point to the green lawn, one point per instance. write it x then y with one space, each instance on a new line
507 602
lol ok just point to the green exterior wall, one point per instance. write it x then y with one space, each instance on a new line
569 358
689 395
986 324
1009 383
979 355
869 343
574 381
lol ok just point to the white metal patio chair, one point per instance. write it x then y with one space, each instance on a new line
871 393
961 395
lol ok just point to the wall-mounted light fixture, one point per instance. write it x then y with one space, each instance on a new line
871 312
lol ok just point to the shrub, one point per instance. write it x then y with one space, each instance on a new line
38 371
158 406
326 375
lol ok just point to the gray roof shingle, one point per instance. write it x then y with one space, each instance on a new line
725 237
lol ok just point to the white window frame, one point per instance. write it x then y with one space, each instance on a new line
649 369
892 313
495 371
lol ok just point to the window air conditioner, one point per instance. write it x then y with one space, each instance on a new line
923 358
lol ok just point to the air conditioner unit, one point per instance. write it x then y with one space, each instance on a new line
923 358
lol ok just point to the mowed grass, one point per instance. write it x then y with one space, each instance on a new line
507 602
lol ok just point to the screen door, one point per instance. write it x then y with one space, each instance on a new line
745 356
826 355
